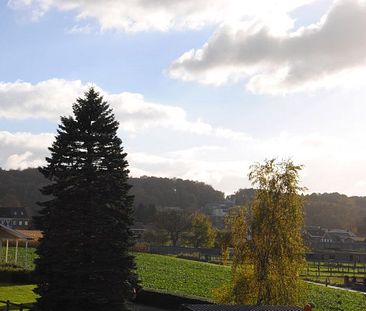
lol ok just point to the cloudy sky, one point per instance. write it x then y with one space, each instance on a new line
202 89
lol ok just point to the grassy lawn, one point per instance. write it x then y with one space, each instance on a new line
179 275
328 299
17 293
25 257
187 277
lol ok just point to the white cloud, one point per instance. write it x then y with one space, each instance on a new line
331 163
21 150
22 161
47 99
194 164
330 53
52 98
80 29
25 140
157 15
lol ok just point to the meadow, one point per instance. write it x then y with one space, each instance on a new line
191 278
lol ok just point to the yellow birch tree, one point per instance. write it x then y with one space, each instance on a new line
267 241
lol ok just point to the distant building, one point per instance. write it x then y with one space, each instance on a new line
340 236
14 217
313 234
318 238
218 211
138 230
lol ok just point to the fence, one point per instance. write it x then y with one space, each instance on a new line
206 254
15 306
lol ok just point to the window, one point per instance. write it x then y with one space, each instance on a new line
26 222
20 223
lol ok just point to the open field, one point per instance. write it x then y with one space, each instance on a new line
180 275
317 272
328 299
187 277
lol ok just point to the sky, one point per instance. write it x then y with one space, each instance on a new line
202 89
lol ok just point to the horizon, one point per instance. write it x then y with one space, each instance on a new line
225 194
201 91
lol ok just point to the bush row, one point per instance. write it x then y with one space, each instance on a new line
15 275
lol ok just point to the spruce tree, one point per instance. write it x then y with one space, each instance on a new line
83 261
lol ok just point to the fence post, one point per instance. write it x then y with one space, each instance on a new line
7 305
21 307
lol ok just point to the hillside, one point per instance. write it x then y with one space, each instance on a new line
21 188
330 210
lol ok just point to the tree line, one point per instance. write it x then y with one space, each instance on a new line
328 210
21 188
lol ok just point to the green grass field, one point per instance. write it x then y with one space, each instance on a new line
25 257
182 276
17 293
185 277
335 274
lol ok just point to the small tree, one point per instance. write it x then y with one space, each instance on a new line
267 241
223 242
156 237
202 233
174 222
83 261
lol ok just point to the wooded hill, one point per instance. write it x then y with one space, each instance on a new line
21 188
330 210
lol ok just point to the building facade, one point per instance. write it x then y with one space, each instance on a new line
14 217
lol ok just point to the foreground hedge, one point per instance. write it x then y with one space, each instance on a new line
15 275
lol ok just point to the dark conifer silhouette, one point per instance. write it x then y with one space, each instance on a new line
83 261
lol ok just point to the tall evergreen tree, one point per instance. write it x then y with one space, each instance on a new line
83 261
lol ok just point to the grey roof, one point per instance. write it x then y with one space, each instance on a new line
12 234
211 307
13 212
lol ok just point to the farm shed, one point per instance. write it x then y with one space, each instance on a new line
10 235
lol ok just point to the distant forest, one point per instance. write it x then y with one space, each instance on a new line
329 210
21 188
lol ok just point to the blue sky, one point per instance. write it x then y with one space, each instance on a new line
201 91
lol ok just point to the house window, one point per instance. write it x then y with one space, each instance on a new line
26 222
20 223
